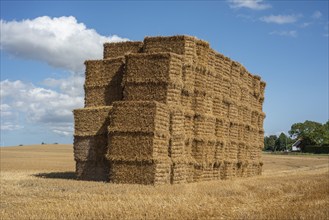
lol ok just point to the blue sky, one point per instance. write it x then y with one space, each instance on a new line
44 45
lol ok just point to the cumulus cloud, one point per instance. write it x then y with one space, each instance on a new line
37 104
250 4
61 42
291 33
280 19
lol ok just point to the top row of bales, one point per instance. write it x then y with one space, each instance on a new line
195 54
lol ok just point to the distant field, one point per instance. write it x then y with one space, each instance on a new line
37 182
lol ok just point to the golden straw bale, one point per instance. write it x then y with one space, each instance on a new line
140 172
93 170
202 51
91 121
169 94
134 146
183 45
139 116
104 72
153 68
188 72
90 148
112 50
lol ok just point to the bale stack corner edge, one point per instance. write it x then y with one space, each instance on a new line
168 110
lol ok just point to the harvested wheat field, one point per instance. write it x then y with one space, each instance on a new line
38 182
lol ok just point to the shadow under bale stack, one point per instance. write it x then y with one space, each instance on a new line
168 110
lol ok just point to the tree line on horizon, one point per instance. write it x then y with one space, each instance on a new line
310 133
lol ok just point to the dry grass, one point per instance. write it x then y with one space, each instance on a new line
37 182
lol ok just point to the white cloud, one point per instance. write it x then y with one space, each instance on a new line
250 4
316 15
38 105
280 19
7 126
65 129
61 42
291 33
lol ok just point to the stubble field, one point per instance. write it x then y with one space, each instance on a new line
38 182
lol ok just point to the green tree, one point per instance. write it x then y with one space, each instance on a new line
269 142
310 132
281 143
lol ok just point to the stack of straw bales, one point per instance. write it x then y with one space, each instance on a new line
168 110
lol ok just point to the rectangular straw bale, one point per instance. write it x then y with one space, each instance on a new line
201 78
203 103
93 170
218 83
188 72
241 131
177 148
202 51
247 133
204 125
139 116
217 106
132 146
250 81
235 91
240 110
219 64
199 151
177 122
90 148
220 151
227 63
104 72
247 115
165 93
188 125
245 95
261 118
210 152
261 137
103 95
256 85
225 106
235 71
226 86
222 128
91 121
244 169
234 111
212 60
153 68
183 45
187 99
229 170
140 172
112 50
243 76
254 118
232 151
180 173
207 174
241 155
197 173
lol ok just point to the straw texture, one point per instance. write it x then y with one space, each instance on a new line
168 110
